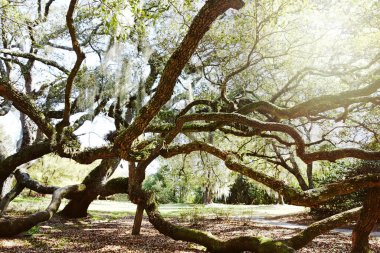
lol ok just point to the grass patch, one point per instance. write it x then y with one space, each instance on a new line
101 215
25 199
61 243
34 230
111 210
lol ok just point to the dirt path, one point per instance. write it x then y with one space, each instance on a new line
291 225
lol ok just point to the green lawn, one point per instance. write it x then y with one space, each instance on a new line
117 209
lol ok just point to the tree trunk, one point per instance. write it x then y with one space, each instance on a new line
77 208
367 220
207 196
281 199
136 177
6 187
309 172
94 182
138 220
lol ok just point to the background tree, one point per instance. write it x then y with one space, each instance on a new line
245 192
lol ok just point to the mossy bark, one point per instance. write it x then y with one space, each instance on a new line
320 227
12 227
368 219
212 243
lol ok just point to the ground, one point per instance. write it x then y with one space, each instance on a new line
111 231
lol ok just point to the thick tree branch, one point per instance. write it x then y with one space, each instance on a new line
312 197
4 202
315 105
200 25
24 105
27 154
11 227
114 186
330 155
320 227
24 181
212 243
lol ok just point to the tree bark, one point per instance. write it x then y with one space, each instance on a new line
367 220
212 243
281 199
309 172
94 183
136 177
207 196
23 181
138 219
301 239
6 187
12 227
13 193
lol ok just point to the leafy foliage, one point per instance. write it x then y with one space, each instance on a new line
341 171
244 191
167 190
53 170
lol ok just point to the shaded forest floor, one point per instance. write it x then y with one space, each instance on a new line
107 233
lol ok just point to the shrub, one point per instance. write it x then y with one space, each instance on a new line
338 172
243 191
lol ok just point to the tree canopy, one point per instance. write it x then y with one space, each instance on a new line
261 88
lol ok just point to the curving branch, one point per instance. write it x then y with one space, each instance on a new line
74 71
24 181
47 8
212 243
323 226
200 25
35 57
262 126
24 155
13 226
247 243
11 195
194 103
312 197
24 105
315 105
